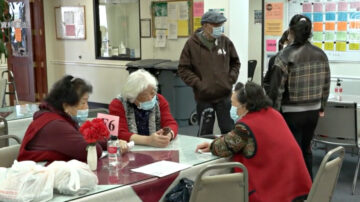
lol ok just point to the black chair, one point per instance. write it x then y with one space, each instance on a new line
206 116
251 69
93 112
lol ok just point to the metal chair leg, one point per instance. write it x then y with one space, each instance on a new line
356 174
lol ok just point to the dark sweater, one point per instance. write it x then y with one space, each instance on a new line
211 73
60 136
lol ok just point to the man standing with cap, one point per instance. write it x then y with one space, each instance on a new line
210 65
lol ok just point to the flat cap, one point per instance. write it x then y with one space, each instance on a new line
213 18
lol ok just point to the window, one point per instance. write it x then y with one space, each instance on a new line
117 29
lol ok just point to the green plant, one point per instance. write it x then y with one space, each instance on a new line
5 30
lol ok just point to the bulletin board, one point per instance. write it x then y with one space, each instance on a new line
172 16
336 26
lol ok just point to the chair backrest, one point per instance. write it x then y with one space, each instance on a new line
3 83
327 176
8 155
4 142
223 187
339 125
93 112
206 116
251 69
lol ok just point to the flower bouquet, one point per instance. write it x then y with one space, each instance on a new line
93 131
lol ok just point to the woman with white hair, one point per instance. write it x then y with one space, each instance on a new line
145 116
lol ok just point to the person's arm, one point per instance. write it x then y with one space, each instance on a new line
167 120
277 84
185 69
116 108
60 136
234 142
326 87
234 64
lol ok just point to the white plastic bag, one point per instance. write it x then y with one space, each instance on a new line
73 177
26 181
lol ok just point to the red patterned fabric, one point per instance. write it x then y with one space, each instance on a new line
116 108
277 172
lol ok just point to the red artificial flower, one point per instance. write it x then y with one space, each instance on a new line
94 130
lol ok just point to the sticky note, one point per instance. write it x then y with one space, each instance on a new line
330 16
355 5
341 26
342 6
329 46
318 7
354 46
318 36
342 16
329 36
354 25
330 26
354 15
354 36
318 44
330 7
340 46
341 36
309 15
318 17
18 36
307 7
271 45
318 26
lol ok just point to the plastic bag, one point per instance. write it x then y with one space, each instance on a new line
73 177
26 181
181 192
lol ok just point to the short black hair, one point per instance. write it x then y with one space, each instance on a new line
300 26
252 95
68 90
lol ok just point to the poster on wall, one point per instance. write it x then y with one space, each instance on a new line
70 22
336 26
274 14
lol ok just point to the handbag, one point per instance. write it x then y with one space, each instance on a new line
181 192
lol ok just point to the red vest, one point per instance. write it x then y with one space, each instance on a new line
277 172
33 129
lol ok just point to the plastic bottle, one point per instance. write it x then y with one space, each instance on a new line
338 90
112 149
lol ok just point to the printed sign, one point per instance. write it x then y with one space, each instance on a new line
111 122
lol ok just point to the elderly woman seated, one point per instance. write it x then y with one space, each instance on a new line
145 116
262 141
53 135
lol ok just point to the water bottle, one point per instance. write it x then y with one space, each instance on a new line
113 151
338 90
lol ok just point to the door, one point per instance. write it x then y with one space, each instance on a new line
20 58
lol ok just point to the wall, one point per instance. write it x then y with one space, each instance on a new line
255 39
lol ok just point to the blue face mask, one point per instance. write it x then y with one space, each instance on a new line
148 104
217 31
233 114
81 116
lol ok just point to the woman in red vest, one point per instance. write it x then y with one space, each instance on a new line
262 141
53 134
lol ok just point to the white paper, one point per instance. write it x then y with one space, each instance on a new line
161 168
161 22
160 41
172 10
69 17
173 30
183 10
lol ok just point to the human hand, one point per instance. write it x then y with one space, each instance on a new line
321 114
123 146
157 139
203 147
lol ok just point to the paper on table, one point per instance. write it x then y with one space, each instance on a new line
161 168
